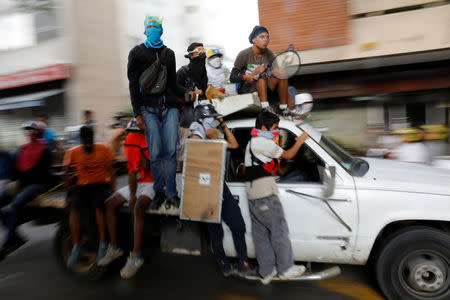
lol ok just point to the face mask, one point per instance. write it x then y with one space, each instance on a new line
198 60
270 135
34 137
154 37
215 62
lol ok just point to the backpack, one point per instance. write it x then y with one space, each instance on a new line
154 79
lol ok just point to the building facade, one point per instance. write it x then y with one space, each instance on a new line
367 63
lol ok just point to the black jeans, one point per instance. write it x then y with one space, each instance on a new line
231 215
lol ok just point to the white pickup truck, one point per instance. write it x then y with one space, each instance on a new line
347 210
392 216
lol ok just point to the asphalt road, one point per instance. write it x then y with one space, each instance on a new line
32 272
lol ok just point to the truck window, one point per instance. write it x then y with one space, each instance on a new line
305 167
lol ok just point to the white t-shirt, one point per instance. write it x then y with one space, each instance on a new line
264 149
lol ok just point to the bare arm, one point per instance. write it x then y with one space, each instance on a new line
229 136
112 175
213 134
290 154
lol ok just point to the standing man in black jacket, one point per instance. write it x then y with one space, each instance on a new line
157 113
192 77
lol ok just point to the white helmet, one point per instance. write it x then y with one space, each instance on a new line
303 98
36 125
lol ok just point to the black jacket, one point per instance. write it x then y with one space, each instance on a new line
139 59
187 108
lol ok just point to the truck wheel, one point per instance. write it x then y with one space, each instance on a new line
415 264
86 266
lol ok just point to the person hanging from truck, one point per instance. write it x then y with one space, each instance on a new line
269 227
249 73
205 127
31 176
93 166
138 193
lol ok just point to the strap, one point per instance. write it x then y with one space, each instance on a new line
163 54
255 161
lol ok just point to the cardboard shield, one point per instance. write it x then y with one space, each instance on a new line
203 179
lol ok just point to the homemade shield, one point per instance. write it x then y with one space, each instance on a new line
203 174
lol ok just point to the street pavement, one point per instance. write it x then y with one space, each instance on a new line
32 272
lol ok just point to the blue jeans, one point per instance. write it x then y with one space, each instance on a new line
24 196
162 135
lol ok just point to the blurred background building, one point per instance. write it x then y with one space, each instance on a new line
35 65
367 64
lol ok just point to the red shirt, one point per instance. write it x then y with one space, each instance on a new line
135 146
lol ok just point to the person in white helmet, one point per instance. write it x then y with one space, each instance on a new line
214 69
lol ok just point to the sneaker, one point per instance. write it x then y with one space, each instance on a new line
173 202
112 253
74 256
157 201
12 245
297 114
286 113
102 248
228 272
132 266
267 279
292 272
245 269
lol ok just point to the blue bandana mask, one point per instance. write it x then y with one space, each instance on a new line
153 34
154 37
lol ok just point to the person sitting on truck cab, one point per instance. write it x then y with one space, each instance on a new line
31 176
138 193
205 127
269 228
249 72
93 165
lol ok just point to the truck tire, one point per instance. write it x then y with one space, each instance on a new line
86 267
415 264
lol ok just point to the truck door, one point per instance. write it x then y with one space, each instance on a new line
317 233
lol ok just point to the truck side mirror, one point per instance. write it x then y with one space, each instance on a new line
329 176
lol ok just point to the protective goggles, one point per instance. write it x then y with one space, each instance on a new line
199 50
